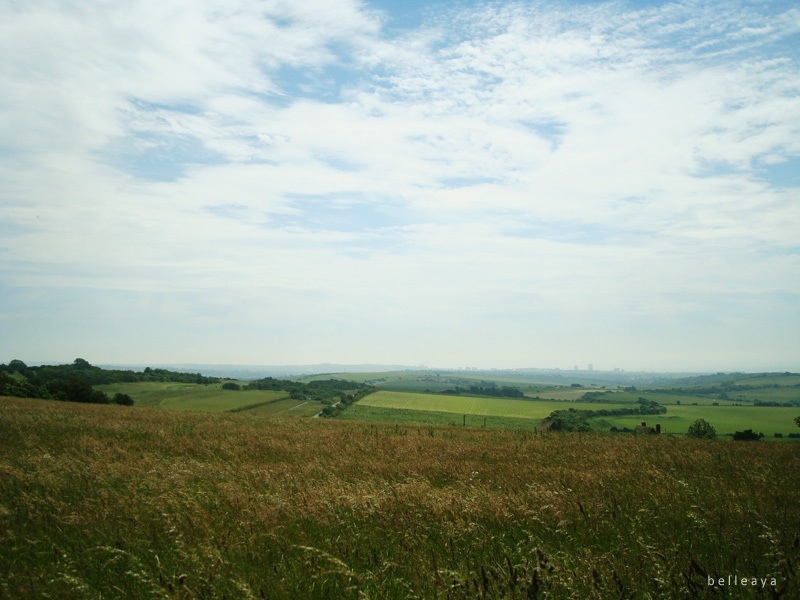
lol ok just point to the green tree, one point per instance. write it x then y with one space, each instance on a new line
797 421
76 390
17 366
702 429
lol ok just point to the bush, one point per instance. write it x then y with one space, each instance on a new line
76 390
748 435
123 399
702 429
231 386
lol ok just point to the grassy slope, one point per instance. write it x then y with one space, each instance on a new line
117 502
212 398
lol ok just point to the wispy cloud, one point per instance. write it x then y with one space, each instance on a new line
502 184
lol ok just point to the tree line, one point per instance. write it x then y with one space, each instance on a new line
486 388
74 382
327 391
578 420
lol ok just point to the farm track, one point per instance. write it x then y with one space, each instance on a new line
292 408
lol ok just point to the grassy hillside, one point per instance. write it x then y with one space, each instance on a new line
130 502
212 398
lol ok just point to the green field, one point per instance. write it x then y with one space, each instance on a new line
408 407
399 416
212 398
472 405
783 380
725 419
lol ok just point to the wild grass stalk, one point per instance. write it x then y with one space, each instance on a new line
117 502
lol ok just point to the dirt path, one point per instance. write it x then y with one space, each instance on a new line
316 416
292 408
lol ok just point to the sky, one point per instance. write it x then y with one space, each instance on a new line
456 184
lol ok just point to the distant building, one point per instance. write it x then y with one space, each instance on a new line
644 429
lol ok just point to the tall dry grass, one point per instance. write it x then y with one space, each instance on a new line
116 502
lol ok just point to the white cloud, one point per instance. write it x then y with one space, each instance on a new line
505 169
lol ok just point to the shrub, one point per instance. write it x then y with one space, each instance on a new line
702 429
123 399
748 435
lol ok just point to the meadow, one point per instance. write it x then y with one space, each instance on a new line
106 501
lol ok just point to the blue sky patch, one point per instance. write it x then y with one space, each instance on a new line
783 174
154 157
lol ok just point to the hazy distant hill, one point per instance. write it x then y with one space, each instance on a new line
258 371
558 376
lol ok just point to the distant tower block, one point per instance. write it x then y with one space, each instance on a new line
591 367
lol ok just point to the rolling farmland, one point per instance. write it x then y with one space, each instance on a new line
725 419
684 405
471 405
212 398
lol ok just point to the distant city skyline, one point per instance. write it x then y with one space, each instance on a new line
506 184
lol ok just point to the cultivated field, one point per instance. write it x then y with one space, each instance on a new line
212 398
401 407
104 501
472 405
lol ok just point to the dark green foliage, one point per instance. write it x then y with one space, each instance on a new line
569 420
702 429
230 385
578 420
337 393
748 435
74 382
75 389
21 387
97 376
17 366
486 388
123 399
773 403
